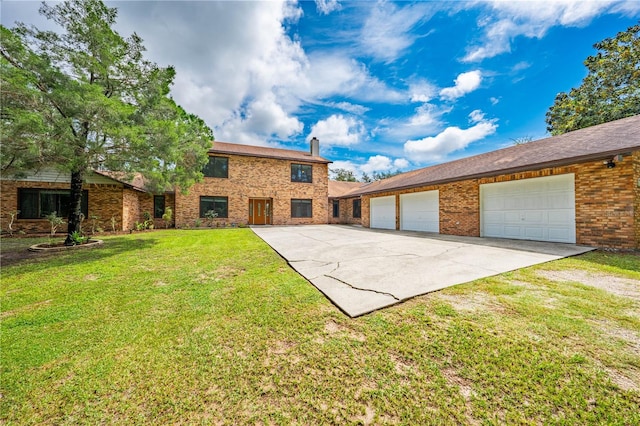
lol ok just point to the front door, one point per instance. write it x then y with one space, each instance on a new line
259 212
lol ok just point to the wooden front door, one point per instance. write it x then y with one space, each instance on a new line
259 212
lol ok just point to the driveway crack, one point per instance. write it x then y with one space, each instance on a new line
363 289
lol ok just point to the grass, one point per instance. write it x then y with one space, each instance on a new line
212 327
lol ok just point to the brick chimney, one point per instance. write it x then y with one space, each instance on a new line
315 147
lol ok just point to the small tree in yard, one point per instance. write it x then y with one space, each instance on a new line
86 99
166 217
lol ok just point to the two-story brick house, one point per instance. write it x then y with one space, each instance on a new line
243 185
255 185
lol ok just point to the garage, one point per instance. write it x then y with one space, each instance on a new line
383 212
419 211
540 209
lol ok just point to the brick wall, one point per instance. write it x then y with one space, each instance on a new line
253 177
104 201
130 209
607 202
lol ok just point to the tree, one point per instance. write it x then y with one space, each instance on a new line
86 99
343 175
522 140
610 91
385 175
378 176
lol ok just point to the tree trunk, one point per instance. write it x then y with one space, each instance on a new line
75 206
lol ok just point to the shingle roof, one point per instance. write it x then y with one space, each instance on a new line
133 180
592 143
341 188
264 152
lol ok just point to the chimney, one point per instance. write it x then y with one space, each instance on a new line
315 147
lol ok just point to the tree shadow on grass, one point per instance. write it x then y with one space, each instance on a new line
111 247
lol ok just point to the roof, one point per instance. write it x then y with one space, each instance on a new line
588 144
264 152
341 188
133 180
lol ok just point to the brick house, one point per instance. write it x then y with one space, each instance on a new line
581 187
242 185
344 208
109 203
257 186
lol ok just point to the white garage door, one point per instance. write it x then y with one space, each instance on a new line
541 209
383 212
419 211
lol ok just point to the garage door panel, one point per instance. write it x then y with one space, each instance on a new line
383 212
420 211
561 217
533 209
559 234
534 233
510 231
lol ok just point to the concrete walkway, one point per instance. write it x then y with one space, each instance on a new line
361 270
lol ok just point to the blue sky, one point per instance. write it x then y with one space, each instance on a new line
384 85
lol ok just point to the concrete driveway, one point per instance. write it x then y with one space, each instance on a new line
361 270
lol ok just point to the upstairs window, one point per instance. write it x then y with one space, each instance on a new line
218 167
301 173
357 208
38 203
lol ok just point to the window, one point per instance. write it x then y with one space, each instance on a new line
219 205
301 173
336 208
158 206
217 167
301 208
38 203
356 208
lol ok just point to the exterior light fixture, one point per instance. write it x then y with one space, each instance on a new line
610 164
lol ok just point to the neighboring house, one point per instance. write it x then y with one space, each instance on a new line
107 201
257 186
343 208
580 187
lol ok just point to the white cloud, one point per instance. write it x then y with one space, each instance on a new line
345 164
327 6
261 119
387 30
476 116
377 163
338 130
464 83
427 119
421 91
348 107
451 139
400 163
509 19
336 74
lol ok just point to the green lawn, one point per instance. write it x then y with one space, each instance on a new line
213 327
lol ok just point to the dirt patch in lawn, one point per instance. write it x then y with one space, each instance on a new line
625 287
472 302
